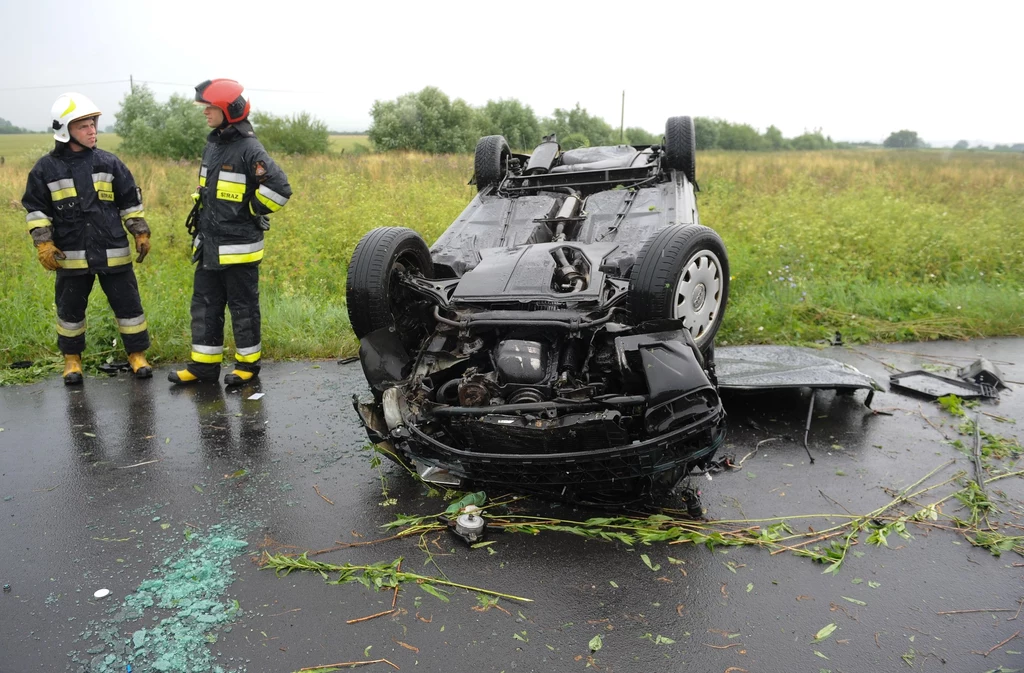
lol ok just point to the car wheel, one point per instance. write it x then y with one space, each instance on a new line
373 293
681 146
682 273
490 161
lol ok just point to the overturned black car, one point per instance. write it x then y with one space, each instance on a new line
558 338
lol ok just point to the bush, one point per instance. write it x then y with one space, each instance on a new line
904 139
300 134
574 141
739 137
638 136
173 130
512 119
567 123
427 121
813 141
706 131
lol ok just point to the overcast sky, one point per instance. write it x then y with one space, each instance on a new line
856 70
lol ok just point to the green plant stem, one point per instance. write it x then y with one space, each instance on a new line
288 564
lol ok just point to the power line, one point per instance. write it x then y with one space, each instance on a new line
62 86
128 81
192 86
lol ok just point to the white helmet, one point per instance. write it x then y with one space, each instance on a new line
68 108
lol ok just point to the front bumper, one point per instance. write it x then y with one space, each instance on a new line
631 471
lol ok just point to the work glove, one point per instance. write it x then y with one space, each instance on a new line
48 255
141 246
139 228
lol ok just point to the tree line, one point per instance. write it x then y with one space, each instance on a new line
430 121
177 129
7 127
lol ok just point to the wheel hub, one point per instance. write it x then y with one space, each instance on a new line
700 293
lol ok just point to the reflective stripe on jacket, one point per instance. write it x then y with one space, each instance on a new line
240 185
86 197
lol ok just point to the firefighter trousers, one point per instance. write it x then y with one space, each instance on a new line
238 288
71 295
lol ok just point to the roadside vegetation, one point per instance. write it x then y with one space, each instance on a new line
876 245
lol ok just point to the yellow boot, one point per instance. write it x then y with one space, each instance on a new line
238 377
139 365
72 370
182 376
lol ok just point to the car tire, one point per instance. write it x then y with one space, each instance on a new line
374 297
683 273
681 146
490 161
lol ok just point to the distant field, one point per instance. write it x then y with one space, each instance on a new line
349 143
20 145
14 146
878 245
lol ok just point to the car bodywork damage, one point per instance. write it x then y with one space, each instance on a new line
544 343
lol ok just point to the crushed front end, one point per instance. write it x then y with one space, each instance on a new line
569 405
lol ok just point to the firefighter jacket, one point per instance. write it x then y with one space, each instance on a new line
239 185
86 197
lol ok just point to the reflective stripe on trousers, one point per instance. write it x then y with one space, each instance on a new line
207 354
132 325
70 329
250 354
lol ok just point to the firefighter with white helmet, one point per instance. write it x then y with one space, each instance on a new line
239 186
80 200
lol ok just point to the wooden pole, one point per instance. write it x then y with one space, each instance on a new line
622 119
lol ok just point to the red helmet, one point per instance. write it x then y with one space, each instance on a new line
226 94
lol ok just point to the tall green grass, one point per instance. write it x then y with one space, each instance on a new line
877 245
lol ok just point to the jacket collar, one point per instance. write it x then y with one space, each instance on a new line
236 131
64 151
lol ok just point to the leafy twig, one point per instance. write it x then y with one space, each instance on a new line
376 575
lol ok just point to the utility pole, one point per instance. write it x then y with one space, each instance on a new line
131 82
622 119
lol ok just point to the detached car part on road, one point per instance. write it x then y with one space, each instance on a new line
558 338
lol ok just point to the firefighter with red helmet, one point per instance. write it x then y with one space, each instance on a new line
239 186
80 200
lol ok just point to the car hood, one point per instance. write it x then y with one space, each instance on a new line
526 272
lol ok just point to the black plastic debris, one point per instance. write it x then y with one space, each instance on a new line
934 385
774 367
768 368
21 364
112 368
983 372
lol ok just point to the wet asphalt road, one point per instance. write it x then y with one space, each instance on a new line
78 513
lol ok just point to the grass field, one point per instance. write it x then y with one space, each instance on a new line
30 145
877 245
17 146
349 144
